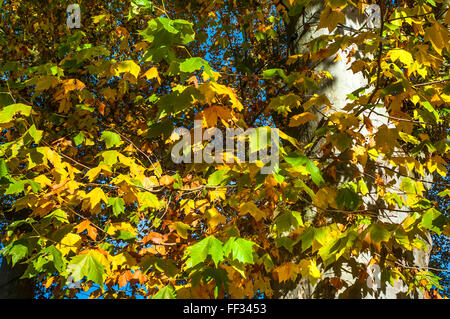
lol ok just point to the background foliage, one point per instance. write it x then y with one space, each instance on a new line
91 200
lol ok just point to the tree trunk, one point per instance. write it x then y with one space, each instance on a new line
11 287
344 82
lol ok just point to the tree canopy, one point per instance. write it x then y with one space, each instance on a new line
92 200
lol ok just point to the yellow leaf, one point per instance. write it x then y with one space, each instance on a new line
206 77
302 118
437 34
128 66
211 114
308 268
70 243
93 173
316 100
43 180
216 194
121 226
210 89
152 74
182 229
398 54
72 84
287 271
122 259
251 208
214 217
325 197
95 196
330 18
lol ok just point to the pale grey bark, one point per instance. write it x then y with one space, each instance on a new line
344 82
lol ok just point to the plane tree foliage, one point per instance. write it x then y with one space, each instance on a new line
92 201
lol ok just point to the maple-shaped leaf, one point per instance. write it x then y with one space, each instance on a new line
348 197
152 73
86 225
87 265
128 66
330 18
218 177
240 249
308 268
117 204
96 196
166 266
214 217
7 113
148 200
182 229
288 221
287 271
167 292
378 233
111 139
297 159
193 64
210 246
251 208
301 119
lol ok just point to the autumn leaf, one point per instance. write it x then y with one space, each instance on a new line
96 196
301 119
87 265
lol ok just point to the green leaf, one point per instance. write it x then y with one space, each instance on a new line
268 74
32 135
148 200
16 187
193 64
210 246
307 238
87 265
117 204
18 250
408 186
297 159
348 197
427 105
56 257
111 139
434 220
163 265
3 168
58 216
79 138
125 235
288 221
220 277
8 112
268 262
218 177
378 233
182 229
241 249
167 292
110 157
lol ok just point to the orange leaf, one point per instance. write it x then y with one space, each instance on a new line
156 238
166 180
